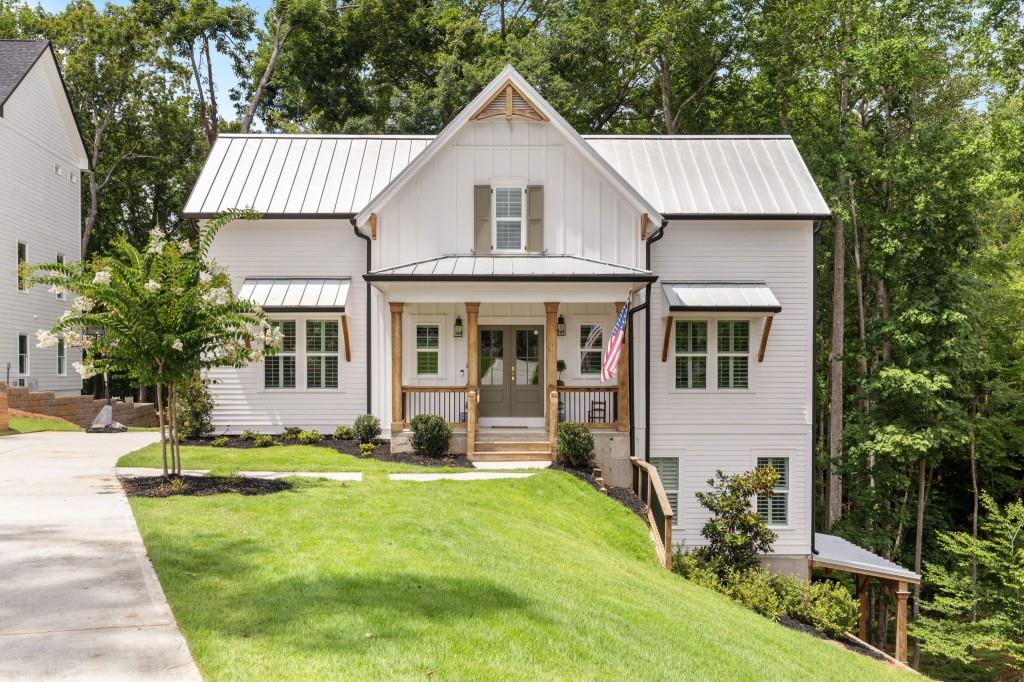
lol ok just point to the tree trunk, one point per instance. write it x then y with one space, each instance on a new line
883 302
665 85
281 34
160 416
918 543
214 129
974 516
835 399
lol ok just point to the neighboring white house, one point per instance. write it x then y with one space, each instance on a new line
41 158
449 274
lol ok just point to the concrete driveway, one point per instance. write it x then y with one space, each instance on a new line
78 596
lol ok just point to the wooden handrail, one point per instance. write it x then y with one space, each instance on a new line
431 389
585 389
661 530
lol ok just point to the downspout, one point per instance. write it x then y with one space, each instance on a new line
645 306
369 323
814 360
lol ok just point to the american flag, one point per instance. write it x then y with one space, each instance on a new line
611 356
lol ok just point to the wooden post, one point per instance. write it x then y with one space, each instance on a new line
397 422
622 374
862 612
472 374
900 594
551 369
553 421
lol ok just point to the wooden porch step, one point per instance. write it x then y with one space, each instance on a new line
512 445
511 456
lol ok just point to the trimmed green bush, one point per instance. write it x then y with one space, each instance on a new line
194 406
833 610
430 435
575 445
250 436
367 449
753 588
220 442
262 440
344 433
310 437
291 433
366 428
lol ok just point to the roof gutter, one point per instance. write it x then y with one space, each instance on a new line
369 322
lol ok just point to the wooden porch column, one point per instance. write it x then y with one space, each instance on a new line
622 374
551 370
900 594
397 422
472 374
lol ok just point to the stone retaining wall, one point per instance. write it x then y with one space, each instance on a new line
78 409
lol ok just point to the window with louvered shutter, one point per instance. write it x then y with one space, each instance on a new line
279 367
668 472
691 354
774 508
733 354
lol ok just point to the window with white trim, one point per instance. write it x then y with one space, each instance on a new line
62 358
668 472
321 354
591 342
22 258
733 354
428 350
691 354
279 367
60 293
509 212
22 354
774 508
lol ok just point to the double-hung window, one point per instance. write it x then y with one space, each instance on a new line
279 368
22 354
591 343
321 354
691 354
668 472
733 354
774 508
60 261
508 218
22 258
62 358
428 350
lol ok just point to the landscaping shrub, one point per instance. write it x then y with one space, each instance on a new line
344 433
366 428
736 535
753 588
430 435
194 406
220 442
575 444
291 433
262 440
833 610
310 437
249 435
367 449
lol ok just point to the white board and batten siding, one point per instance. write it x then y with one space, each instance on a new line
294 248
40 205
718 429
584 215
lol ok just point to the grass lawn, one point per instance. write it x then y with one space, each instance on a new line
35 424
536 578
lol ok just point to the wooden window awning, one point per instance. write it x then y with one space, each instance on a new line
721 297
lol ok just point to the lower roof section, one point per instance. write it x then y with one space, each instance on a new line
705 296
511 268
297 294
836 553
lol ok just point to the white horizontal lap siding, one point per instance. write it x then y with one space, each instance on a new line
727 430
432 214
42 208
296 248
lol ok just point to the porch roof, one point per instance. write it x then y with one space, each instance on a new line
510 268
842 555
707 296
297 294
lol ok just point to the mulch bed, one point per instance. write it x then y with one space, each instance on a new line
623 496
199 486
850 644
349 447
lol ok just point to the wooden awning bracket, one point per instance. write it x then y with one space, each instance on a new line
668 337
344 334
764 337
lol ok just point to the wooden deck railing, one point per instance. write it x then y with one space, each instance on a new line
447 402
595 406
647 486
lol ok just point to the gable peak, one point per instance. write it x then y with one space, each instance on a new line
509 102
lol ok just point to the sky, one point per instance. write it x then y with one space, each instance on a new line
222 74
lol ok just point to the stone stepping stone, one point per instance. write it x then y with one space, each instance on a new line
332 475
498 466
467 476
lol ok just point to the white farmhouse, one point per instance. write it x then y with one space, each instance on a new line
41 158
478 275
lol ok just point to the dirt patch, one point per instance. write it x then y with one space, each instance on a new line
200 486
35 415
623 496
381 452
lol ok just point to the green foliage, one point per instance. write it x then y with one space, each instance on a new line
291 433
736 534
366 428
367 449
430 435
194 406
310 437
979 621
263 440
574 444
220 442
344 433
249 435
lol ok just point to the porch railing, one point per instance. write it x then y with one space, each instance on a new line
447 402
595 406
647 486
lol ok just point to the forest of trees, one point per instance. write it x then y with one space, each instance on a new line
910 114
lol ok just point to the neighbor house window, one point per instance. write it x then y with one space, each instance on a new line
774 508
691 354
62 358
428 349
321 354
733 353
668 472
22 354
279 368
22 258
60 261
508 218
591 338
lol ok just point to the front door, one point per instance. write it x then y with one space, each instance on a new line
511 371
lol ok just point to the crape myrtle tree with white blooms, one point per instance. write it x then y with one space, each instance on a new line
158 316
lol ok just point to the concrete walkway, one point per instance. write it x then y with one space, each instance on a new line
78 596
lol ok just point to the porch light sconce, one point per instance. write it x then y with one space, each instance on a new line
458 326
560 327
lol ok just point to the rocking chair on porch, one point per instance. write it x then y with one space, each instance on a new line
597 412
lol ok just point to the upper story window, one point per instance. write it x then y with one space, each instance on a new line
279 368
60 293
22 259
508 218
733 354
691 354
